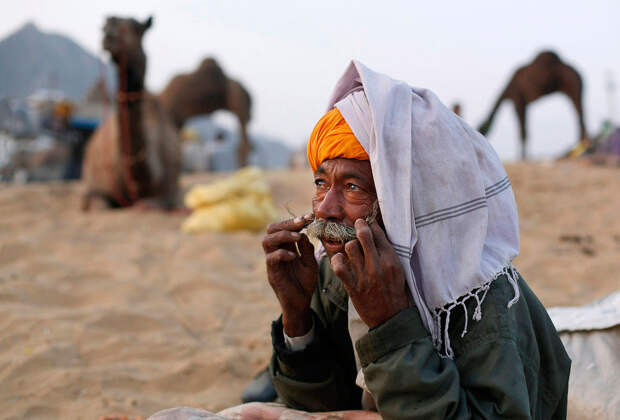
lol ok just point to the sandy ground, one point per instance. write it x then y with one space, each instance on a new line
119 311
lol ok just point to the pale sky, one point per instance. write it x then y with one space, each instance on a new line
289 54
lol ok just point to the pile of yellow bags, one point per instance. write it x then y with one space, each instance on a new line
239 202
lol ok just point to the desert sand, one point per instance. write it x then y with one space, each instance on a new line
120 312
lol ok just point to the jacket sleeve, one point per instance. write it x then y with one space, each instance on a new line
408 379
315 378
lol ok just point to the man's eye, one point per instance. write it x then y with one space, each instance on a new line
353 187
319 182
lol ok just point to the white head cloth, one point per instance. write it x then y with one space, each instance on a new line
445 199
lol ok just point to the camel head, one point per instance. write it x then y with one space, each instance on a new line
124 36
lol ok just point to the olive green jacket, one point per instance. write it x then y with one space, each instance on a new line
510 364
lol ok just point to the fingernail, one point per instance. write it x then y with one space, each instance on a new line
296 235
309 216
298 219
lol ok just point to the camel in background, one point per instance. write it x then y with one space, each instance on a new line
206 90
545 75
134 155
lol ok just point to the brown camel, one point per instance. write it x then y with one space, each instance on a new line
205 90
545 75
134 155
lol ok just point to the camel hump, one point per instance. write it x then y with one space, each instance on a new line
547 58
209 62
210 76
211 66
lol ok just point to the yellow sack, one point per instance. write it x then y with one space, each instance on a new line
239 202
246 181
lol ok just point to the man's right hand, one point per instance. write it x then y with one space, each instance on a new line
292 277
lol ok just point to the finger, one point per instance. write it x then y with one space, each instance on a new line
341 268
280 256
273 241
365 236
355 257
381 241
306 249
389 260
295 224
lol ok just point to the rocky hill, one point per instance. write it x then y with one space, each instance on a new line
31 59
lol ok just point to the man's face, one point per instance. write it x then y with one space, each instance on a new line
345 192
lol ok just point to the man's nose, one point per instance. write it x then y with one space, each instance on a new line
331 206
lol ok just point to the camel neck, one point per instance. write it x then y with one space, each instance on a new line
130 98
131 71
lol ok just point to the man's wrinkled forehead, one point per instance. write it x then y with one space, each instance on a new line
347 169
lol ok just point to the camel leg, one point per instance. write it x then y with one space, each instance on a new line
244 145
572 86
575 98
102 201
169 199
520 110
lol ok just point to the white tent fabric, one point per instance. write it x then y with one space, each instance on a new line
604 313
591 336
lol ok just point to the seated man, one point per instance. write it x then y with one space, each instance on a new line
414 308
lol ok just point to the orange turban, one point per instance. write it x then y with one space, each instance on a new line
332 138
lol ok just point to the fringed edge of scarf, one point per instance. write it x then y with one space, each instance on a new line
442 340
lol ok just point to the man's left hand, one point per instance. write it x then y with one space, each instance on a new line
372 275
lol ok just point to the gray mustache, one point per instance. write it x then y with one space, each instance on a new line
337 232
331 231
